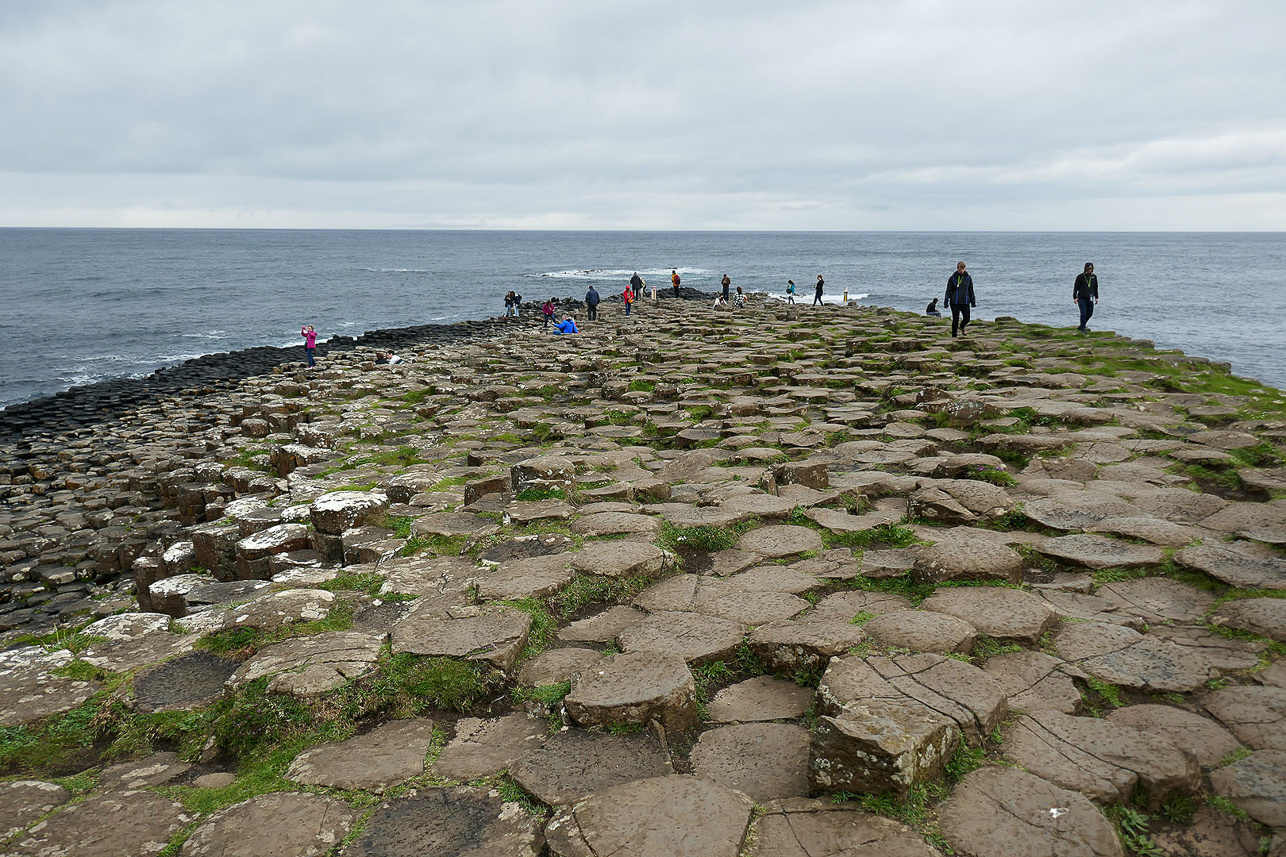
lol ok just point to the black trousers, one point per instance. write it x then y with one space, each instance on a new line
959 317
591 311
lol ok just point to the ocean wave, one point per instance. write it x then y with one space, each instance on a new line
395 270
618 273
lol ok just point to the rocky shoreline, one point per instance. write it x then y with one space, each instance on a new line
826 578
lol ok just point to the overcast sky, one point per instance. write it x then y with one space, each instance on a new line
698 114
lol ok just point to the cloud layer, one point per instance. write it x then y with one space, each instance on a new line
928 114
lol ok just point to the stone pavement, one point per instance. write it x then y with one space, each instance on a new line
778 581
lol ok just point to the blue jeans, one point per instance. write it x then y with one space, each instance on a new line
309 352
1087 310
628 304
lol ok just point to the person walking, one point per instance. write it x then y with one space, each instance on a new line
1085 295
960 297
817 296
628 297
725 282
674 280
790 291
547 310
636 284
591 304
310 344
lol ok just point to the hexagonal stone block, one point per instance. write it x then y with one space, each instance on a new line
879 745
494 635
1035 681
338 511
998 810
285 824
1257 784
602 627
767 761
1238 564
780 540
537 577
804 645
1124 656
574 764
24 801
1206 739
448 821
997 611
621 559
373 761
694 637
1102 760
485 747
635 687
137 823
308 666
963 553
654 817
1256 715
799 827
922 631
1263 616
759 699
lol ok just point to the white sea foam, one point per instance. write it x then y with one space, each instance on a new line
619 273
396 270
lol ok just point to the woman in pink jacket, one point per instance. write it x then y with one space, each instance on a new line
310 343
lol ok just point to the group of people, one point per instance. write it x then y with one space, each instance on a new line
960 298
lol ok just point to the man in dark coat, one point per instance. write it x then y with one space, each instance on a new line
960 297
1085 294
591 304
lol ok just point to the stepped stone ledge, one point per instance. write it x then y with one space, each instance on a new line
586 594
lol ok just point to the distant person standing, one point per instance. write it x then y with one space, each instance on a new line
509 304
725 282
1085 295
817 295
790 291
310 344
674 280
547 310
636 284
591 304
517 305
960 297
628 297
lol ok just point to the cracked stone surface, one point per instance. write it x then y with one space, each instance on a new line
1035 681
130 822
634 688
760 698
485 747
575 763
997 611
1257 784
694 637
1256 715
308 666
1263 616
799 827
767 761
1101 759
654 817
24 801
997 810
922 631
495 635
1236 564
1207 740
1127 658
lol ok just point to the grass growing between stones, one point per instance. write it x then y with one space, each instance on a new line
888 535
543 625
706 538
1132 828
587 589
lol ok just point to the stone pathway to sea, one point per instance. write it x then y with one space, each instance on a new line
785 581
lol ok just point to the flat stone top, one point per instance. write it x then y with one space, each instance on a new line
760 698
780 540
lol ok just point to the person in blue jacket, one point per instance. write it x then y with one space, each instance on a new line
960 297
567 325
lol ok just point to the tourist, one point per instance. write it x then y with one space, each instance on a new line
636 285
817 296
591 304
517 305
674 280
567 325
790 291
509 304
547 311
960 297
932 309
310 344
628 297
740 300
725 282
390 358
719 302
1085 294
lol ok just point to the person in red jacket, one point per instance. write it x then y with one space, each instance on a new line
628 297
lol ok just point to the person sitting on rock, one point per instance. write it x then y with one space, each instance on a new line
739 299
932 309
567 325
390 358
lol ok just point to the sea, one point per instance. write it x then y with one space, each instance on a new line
79 306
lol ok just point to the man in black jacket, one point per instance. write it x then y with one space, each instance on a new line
591 304
1085 294
960 297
